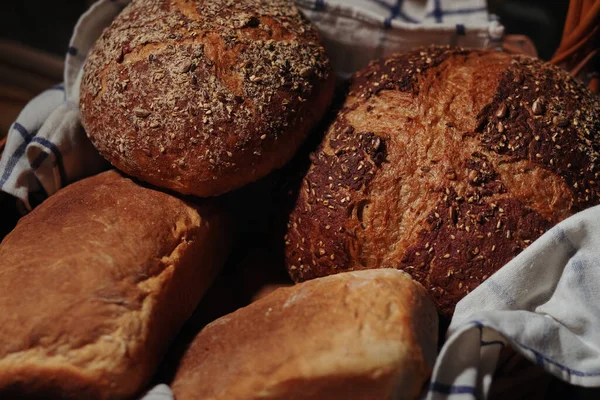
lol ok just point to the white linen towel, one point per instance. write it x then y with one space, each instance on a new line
545 303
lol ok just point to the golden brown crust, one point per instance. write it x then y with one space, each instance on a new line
203 97
440 164
359 335
88 311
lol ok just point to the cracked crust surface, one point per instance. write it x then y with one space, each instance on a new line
202 97
445 163
356 335
88 311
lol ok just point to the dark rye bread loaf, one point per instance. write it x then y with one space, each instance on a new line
202 97
445 163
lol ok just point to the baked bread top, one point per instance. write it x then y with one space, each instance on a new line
202 97
446 163
357 335
96 282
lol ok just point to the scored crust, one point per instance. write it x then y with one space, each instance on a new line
445 163
204 97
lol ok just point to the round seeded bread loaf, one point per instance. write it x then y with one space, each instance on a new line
445 163
204 97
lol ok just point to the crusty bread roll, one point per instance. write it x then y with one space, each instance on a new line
445 163
96 282
358 335
202 97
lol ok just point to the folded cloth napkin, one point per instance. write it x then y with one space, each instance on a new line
357 31
46 147
544 303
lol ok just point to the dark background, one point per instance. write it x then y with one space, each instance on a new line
47 25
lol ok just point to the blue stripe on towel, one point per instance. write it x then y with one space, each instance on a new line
21 129
16 155
60 86
52 147
542 359
443 388
39 160
437 11
396 12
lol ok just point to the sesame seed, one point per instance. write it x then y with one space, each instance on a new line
537 107
501 112
560 120
141 112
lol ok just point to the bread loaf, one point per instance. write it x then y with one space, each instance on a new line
358 335
202 97
445 163
96 282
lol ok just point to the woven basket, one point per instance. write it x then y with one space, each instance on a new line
579 45
516 377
